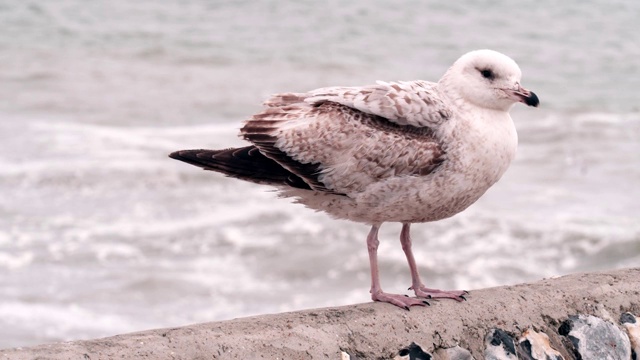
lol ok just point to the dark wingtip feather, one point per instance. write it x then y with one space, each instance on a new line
182 154
191 157
175 155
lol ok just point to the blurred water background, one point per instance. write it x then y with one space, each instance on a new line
101 233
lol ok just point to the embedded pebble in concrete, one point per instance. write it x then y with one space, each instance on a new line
594 338
534 345
630 323
499 345
413 352
453 353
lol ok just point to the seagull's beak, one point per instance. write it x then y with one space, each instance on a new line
524 96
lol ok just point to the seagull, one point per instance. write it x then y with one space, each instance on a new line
404 151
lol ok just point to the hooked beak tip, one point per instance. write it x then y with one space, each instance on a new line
532 99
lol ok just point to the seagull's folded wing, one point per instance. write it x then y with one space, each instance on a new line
339 149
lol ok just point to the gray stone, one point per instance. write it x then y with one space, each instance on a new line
594 338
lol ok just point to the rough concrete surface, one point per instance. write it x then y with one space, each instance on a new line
374 330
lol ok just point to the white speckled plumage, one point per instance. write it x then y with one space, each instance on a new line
409 151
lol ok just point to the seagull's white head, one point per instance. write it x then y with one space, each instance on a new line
487 79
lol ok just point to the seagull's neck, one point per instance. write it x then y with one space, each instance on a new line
446 87
449 90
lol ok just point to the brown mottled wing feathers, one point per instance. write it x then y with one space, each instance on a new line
340 150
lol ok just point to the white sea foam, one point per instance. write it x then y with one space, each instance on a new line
15 261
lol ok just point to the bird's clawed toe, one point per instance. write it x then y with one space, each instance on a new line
424 292
402 301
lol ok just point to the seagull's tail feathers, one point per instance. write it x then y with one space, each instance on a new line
246 163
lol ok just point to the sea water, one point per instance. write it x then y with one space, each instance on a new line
101 233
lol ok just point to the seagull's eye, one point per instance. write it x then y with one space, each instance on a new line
487 74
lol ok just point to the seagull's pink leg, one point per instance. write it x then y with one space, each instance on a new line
416 283
376 291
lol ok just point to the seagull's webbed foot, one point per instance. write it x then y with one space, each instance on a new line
425 292
402 301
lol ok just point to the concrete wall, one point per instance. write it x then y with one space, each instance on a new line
581 315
